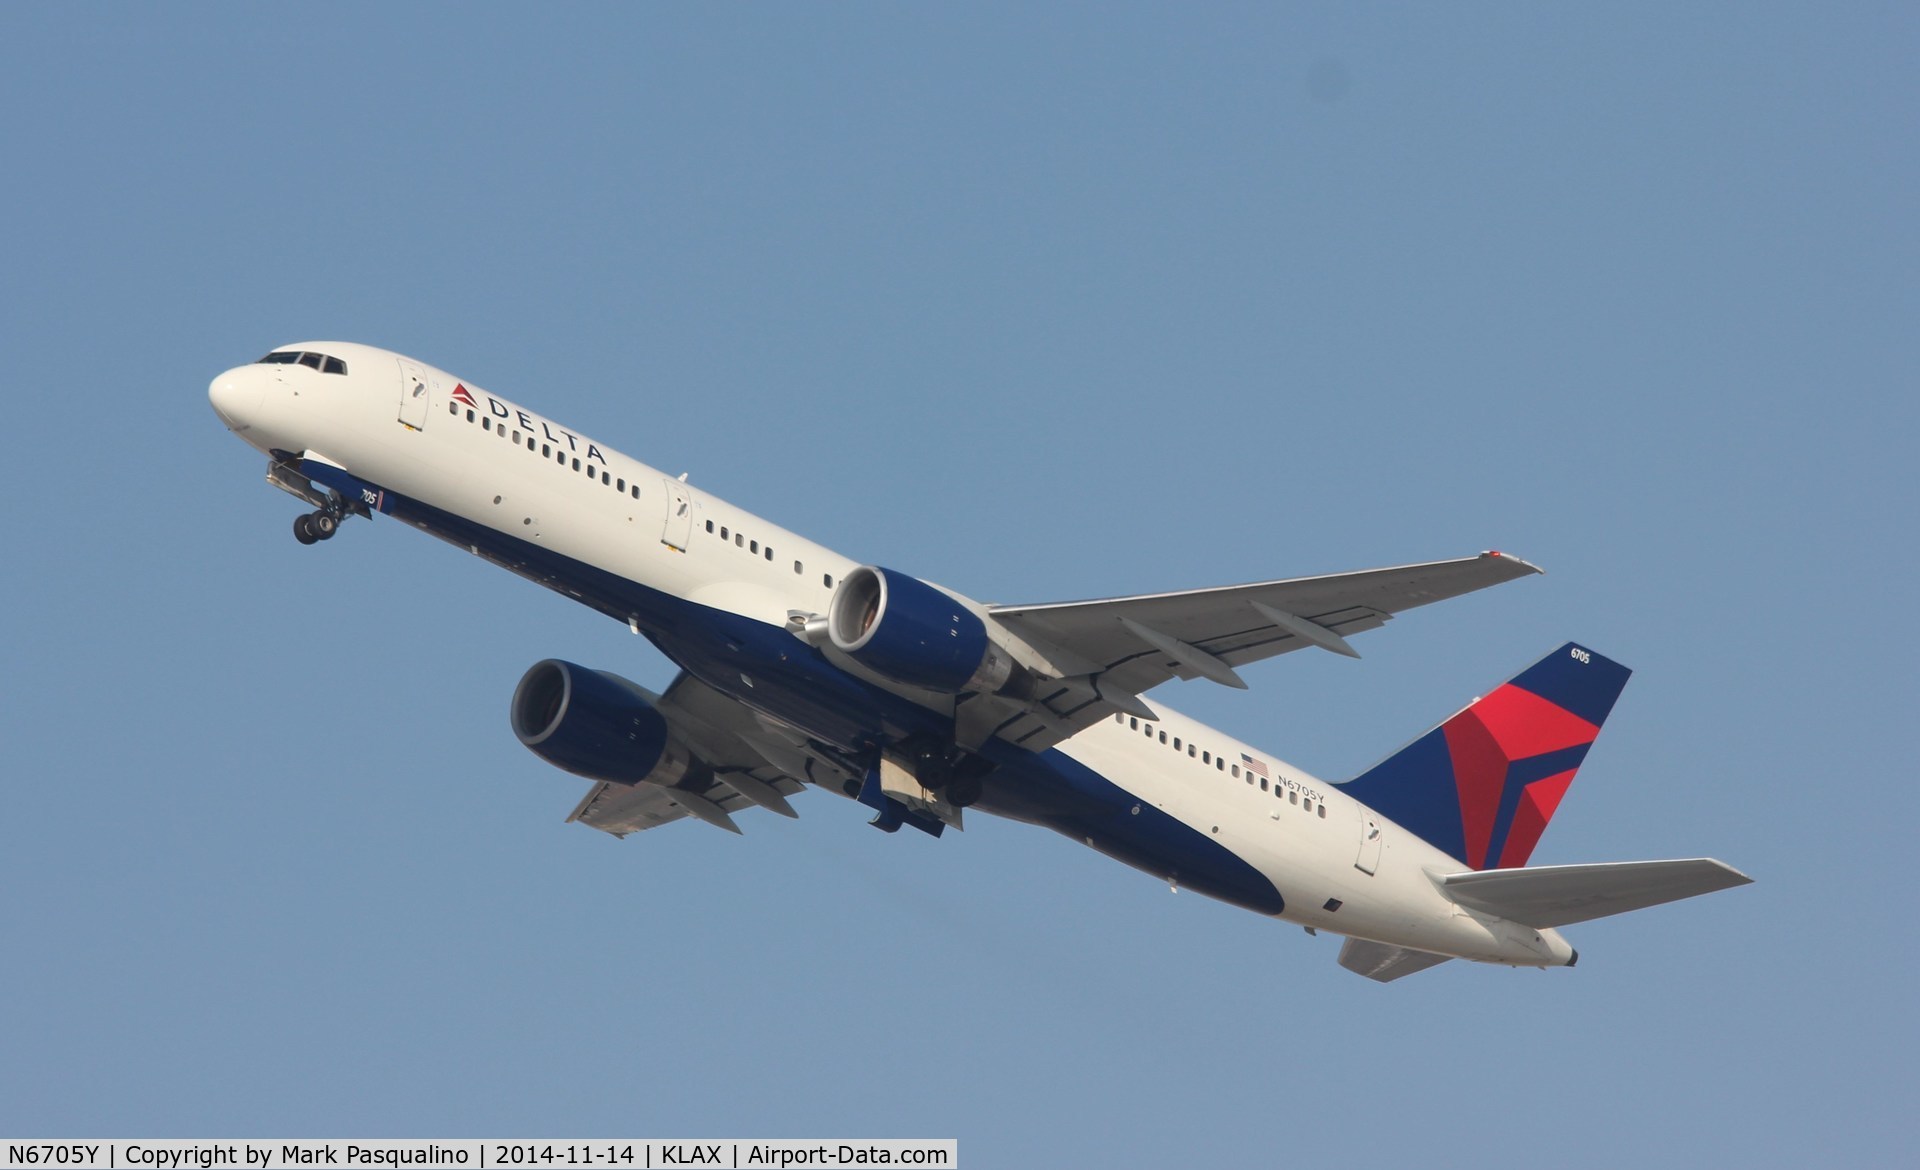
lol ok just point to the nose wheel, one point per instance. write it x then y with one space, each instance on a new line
313 527
329 506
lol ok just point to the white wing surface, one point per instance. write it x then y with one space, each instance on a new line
1113 649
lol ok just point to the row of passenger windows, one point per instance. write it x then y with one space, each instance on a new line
1219 763
548 451
740 540
317 361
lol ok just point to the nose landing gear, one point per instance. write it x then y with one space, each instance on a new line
329 506
311 527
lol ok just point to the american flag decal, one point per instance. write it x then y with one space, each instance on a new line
1258 767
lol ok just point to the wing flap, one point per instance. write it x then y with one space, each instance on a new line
1559 895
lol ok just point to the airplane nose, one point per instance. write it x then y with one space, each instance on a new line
235 396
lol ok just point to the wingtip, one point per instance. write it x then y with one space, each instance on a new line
1529 566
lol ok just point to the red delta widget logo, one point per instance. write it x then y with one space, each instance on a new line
528 423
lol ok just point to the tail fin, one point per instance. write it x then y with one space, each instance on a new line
1483 785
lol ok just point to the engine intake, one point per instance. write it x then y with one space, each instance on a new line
913 633
596 725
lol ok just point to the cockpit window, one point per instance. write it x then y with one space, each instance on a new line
318 361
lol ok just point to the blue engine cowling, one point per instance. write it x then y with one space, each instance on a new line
912 633
595 724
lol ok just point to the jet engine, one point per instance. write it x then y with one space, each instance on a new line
912 633
596 725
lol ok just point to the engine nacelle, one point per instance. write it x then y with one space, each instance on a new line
912 633
596 725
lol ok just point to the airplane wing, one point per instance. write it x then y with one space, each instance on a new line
753 761
1118 647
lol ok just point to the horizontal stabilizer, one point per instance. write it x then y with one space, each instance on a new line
1556 895
1383 963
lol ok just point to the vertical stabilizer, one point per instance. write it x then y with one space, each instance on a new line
1483 785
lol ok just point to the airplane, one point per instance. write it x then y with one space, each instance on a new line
800 668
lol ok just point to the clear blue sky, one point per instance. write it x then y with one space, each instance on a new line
1042 303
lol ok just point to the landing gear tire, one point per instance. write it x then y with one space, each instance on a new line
962 791
933 769
303 529
323 525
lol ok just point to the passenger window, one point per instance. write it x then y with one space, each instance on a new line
516 438
1176 743
827 580
1220 762
1236 774
1192 752
723 532
1293 798
797 569
469 416
769 554
709 526
620 485
634 491
545 450
1322 811
1163 737
453 408
486 424
1134 723
576 465
1206 757
754 548
1263 783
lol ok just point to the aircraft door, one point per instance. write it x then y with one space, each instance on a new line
679 527
413 395
1371 838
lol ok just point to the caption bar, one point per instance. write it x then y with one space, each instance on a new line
619 1154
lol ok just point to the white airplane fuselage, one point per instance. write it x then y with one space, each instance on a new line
714 587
